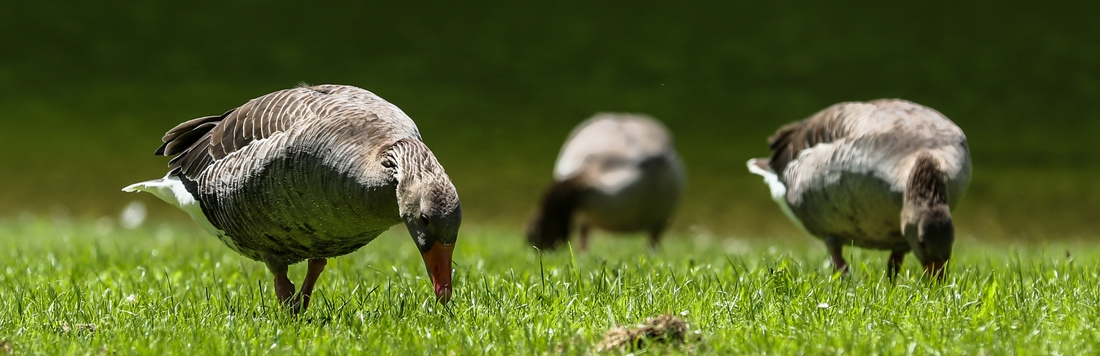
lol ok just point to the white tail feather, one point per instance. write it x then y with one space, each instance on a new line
171 190
778 192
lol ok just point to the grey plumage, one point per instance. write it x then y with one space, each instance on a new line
312 173
617 172
845 171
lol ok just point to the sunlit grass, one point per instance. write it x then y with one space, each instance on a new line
87 287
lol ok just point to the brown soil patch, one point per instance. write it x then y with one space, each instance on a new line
79 328
666 329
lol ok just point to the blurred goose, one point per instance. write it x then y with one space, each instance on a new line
883 174
311 173
617 172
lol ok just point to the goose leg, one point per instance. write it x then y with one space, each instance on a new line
301 300
582 243
284 288
894 266
836 251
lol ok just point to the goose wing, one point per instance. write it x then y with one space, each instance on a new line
198 143
825 126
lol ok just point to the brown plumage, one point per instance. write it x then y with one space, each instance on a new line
616 172
311 173
881 174
926 183
789 140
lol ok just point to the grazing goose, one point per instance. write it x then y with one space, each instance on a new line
311 173
617 172
883 174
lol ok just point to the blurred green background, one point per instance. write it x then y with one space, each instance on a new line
88 88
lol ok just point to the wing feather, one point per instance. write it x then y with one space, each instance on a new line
825 126
200 142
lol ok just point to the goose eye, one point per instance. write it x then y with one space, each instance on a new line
424 220
388 164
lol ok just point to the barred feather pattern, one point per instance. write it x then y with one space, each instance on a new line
298 173
926 185
420 176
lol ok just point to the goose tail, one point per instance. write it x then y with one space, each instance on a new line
171 190
759 166
167 189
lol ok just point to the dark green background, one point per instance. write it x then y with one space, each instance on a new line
87 88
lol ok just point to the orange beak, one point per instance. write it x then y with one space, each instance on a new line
935 269
438 261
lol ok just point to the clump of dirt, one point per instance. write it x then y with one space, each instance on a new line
79 328
666 329
6 348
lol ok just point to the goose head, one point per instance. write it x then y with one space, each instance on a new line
925 215
930 234
549 228
428 205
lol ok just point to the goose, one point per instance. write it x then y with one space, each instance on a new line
616 172
311 173
883 174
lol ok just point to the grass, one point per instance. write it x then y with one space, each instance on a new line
86 287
